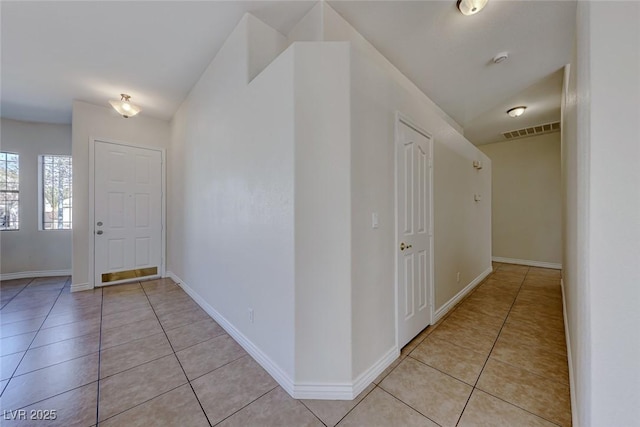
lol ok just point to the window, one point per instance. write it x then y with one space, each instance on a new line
9 191
55 192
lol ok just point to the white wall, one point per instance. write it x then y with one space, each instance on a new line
601 211
526 199
614 211
323 276
92 121
28 251
231 208
574 203
462 226
269 180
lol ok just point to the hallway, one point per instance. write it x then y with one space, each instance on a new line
146 354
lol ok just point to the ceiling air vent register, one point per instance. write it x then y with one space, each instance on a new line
533 130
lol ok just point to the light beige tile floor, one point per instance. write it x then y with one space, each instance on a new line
144 354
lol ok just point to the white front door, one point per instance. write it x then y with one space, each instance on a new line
127 213
414 235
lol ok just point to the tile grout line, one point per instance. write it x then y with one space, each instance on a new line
97 381
99 357
176 356
475 388
490 394
356 405
442 372
406 404
34 337
141 403
350 410
54 364
35 370
433 328
221 366
519 407
99 351
254 400
409 354
533 373
317 417
190 380
62 340
551 351
492 347
19 292
57 394
497 397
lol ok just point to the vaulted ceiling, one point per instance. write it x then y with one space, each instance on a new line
55 51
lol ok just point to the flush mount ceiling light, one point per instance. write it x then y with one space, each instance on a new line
516 111
471 7
124 107
500 57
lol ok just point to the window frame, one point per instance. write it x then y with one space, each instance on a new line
41 187
13 191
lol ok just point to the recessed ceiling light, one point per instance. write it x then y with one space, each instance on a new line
502 56
471 7
516 111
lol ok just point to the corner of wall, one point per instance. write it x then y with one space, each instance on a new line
322 190
336 28
446 307
309 28
264 44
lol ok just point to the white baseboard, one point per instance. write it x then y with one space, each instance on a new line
30 274
453 301
81 287
335 391
274 370
345 391
368 376
530 263
572 385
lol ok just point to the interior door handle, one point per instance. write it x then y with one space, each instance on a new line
403 246
99 232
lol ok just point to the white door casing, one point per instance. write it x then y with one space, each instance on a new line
127 213
414 232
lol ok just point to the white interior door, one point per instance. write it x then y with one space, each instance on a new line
414 231
127 213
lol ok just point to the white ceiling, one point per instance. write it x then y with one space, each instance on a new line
449 55
57 51
54 52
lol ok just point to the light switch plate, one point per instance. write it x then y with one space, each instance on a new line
374 220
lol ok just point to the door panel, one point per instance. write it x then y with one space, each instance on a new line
408 286
127 212
414 235
423 272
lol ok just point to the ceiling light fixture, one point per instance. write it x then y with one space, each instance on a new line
124 106
502 56
516 111
471 7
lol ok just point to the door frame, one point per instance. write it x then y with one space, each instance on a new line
400 119
163 203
